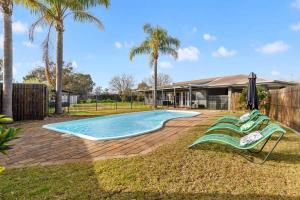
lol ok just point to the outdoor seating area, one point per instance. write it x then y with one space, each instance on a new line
249 140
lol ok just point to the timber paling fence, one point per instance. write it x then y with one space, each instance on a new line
285 106
30 101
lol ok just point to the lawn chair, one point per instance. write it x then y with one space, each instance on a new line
245 128
266 133
238 121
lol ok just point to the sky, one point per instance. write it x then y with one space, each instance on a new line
217 38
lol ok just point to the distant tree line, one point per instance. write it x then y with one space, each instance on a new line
78 83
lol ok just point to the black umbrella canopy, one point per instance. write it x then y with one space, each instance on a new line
252 97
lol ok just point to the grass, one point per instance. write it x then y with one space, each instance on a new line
172 171
89 109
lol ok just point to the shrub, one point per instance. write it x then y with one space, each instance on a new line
6 135
262 93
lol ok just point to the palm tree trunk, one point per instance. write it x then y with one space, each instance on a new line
59 66
7 69
155 84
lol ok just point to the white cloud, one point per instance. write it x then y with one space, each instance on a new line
189 53
165 64
209 37
74 64
295 27
125 44
223 52
15 68
1 41
29 44
296 4
275 47
118 45
128 44
195 29
275 73
39 29
19 27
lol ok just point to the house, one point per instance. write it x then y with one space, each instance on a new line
212 93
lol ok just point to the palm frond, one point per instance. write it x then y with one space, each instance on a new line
40 22
172 41
148 28
92 3
169 51
83 16
143 48
37 7
46 59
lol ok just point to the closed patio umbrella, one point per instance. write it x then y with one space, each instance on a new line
252 97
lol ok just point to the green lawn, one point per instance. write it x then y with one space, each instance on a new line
89 109
172 171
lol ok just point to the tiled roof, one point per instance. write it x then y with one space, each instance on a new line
224 81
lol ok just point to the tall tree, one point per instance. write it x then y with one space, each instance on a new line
80 84
7 10
52 13
162 79
122 84
1 70
157 42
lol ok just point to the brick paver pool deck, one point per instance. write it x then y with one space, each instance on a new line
38 146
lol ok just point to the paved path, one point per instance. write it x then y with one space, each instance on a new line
38 146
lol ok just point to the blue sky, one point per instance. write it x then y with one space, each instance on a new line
232 37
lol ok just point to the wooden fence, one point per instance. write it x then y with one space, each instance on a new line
285 106
30 101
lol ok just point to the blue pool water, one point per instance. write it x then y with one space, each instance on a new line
118 126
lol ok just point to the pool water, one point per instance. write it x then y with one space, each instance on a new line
119 125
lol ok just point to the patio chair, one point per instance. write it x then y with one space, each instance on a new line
238 120
266 134
244 129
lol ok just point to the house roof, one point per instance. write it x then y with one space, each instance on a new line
239 80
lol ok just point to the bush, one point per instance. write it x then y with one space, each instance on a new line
6 135
262 93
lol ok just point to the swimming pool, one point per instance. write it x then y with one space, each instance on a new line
119 125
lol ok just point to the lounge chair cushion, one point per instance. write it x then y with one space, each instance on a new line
247 126
245 117
250 138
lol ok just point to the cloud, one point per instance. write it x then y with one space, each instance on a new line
128 44
74 64
125 44
189 53
29 44
223 52
19 27
295 27
275 73
195 29
275 47
118 45
165 64
15 68
1 41
209 37
296 4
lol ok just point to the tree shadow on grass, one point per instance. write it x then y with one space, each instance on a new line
213 196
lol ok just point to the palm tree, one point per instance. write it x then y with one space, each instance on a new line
157 42
7 10
52 14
